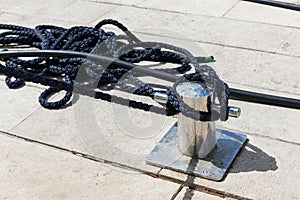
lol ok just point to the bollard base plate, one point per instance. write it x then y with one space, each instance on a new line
213 167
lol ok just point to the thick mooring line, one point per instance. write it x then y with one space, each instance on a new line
235 94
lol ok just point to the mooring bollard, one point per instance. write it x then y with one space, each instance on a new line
195 138
196 147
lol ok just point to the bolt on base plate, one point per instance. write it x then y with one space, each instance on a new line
213 167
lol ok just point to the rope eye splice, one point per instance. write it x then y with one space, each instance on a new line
87 60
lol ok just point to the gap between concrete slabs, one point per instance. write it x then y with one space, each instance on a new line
200 188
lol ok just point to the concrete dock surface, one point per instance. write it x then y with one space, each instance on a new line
96 150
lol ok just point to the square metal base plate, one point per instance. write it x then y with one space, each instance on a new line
214 166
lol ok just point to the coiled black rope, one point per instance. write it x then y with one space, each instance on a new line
84 75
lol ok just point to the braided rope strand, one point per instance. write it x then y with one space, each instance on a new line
83 76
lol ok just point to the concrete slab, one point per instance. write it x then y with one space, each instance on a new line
32 21
46 12
105 130
259 69
265 169
124 2
32 171
190 194
51 126
264 14
266 121
85 12
40 8
291 45
201 28
205 7
16 105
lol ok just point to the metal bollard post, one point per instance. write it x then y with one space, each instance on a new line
197 147
195 138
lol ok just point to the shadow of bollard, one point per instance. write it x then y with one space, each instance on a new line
189 193
252 158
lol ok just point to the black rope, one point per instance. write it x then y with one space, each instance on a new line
109 59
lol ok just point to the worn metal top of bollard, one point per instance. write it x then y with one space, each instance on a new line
192 90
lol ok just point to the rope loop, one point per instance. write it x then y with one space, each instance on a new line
93 77
44 97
